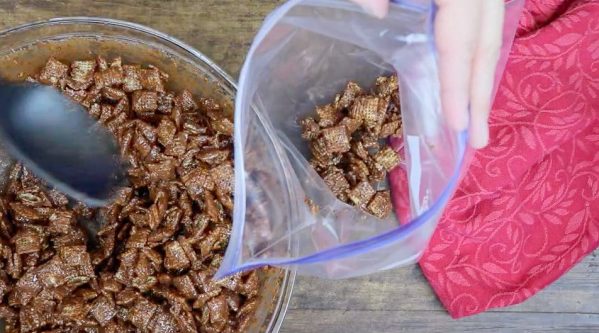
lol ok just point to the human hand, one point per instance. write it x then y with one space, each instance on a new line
468 34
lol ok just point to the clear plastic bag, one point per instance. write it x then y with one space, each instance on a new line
304 54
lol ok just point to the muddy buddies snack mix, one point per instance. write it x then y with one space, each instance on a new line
150 267
348 143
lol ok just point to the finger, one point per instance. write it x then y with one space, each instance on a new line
378 8
483 72
456 32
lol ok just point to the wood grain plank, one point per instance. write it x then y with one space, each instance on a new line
343 321
406 290
221 29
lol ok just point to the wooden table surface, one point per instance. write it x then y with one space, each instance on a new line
398 300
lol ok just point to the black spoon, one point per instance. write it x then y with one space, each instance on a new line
60 142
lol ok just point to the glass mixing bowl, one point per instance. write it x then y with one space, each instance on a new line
25 49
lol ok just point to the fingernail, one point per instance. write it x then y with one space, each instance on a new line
479 135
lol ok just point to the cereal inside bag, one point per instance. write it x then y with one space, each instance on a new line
346 161
345 127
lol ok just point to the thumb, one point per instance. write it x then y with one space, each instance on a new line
378 8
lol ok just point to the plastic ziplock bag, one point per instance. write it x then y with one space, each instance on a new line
304 54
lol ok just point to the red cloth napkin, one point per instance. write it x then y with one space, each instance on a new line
528 209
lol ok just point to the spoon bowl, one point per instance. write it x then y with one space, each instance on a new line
60 142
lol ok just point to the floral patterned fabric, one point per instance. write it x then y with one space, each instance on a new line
528 209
